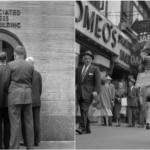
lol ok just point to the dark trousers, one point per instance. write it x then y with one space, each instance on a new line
131 115
15 121
142 115
36 124
84 109
4 134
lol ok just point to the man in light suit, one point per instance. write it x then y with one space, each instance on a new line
20 98
88 86
132 102
4 85
36 103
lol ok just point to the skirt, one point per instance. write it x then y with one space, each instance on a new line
117 110
102 112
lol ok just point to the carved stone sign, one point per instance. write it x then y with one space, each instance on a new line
5 21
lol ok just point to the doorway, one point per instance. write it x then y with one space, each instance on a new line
8 49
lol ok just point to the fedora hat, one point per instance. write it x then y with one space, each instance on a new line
132 80
108 78
87 53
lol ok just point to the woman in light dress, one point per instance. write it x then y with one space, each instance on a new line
104 104
119 94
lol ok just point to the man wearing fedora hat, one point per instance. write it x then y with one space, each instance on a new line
132 102
20 98
88 86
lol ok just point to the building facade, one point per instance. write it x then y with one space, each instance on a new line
46 30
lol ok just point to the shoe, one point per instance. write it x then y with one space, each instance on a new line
104 124
23 144
129 126
140 126
98 124
36 144
118 125
147 126
79 131
87 132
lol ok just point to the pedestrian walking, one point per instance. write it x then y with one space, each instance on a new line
104 104
145 66
88 86
132 102
20 98
112 94
36 103
4 118
148 107
119 94
142 106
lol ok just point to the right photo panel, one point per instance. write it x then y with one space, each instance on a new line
112 51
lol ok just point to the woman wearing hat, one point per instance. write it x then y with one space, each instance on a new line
104 105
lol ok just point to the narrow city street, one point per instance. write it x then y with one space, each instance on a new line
103 137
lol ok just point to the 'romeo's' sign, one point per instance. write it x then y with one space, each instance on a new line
94 25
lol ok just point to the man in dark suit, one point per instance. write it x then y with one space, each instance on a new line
20 98
132 102
142 106
88 86
36 103
4 118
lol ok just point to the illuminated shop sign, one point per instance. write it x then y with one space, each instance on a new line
5 21
94 25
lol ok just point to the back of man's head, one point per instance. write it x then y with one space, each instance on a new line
19 50
30 60
3 57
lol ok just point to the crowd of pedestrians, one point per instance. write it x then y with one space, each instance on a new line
107 100
20 92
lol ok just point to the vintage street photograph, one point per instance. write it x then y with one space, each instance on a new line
112 74
37 71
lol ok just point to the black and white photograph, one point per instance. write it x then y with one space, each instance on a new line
112 74
37 71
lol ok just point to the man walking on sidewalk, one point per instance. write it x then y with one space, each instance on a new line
88 86
132 102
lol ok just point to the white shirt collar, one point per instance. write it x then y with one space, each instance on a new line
86 68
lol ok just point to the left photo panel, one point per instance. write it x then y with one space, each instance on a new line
37 75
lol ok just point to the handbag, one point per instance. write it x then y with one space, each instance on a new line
96 100
124 101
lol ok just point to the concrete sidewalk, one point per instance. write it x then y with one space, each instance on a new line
112 137
54 145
